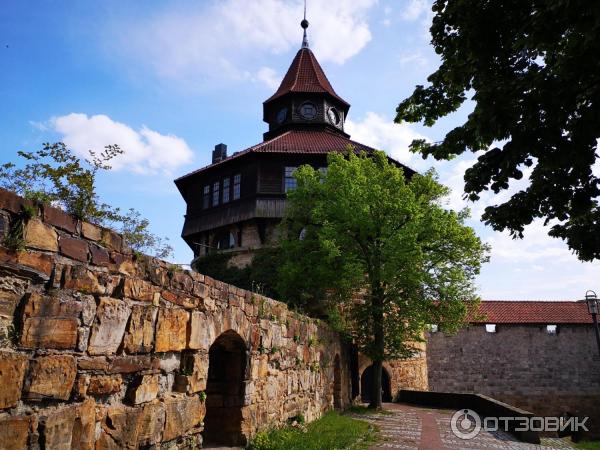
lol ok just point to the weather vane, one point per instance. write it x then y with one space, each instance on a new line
304 25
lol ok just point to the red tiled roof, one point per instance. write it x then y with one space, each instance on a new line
297 141
541 312
305 75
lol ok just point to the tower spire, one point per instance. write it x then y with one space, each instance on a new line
304 25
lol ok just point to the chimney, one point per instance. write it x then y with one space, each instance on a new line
219 153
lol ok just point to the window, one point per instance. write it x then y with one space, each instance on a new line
216 192
226 190
237 183
551 329
288 179
490 327
206 197
225 241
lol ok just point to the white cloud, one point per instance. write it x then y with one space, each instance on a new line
145 150
268 77
414 9
205 44
378 132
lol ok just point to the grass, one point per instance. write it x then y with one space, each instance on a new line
332 431
588 445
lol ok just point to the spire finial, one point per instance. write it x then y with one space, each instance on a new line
304 25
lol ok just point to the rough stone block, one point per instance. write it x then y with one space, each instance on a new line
14 431
140 332
12 371
31 264
49 332
145 389
98 363
91 231
131 428
84 427
202 333
132 364
8 303
138 289
12 202
73 248
112 240
57 429
182 414
195 368
104 384
100 256
38 305
109 327
60 219
119 429
40 236
81 279
51 377
171 330
151 423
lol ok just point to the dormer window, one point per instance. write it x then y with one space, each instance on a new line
551 329
490 327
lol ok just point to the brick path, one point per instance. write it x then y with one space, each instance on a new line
415 428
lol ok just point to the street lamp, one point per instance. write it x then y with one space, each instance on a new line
592 303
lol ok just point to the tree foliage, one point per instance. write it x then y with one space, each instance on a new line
382 251
54 175
534 72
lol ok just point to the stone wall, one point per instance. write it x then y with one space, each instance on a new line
103 348
409 373
523 365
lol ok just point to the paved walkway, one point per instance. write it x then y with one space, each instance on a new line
416 428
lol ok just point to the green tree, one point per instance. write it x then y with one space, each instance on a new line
533 70
382 251
54 175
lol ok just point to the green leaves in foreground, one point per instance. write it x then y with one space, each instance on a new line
532 73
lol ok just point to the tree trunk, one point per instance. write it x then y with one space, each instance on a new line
377 303
376 386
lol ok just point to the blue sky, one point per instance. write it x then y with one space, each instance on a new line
167 80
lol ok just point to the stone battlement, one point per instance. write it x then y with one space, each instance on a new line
106 348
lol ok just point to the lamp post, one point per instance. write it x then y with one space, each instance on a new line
592 303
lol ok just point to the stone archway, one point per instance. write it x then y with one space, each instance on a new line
227 370
366 381
337 383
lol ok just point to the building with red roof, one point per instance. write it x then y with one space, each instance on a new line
234 203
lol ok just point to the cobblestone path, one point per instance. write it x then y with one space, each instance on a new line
414 428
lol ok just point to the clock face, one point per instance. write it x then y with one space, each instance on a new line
281 115
308 111
334 116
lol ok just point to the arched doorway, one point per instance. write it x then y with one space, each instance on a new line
225 390
366 381
337 383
